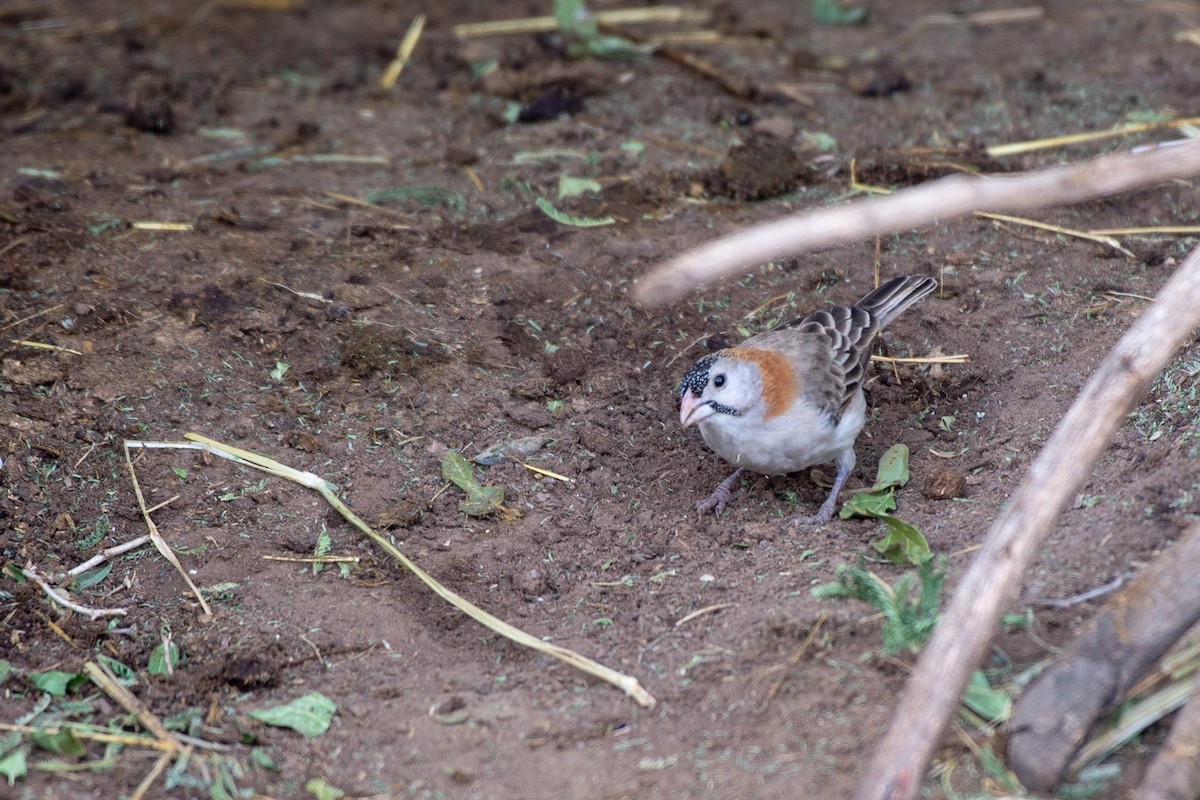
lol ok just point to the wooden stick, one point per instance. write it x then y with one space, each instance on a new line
1056 712
991 583
1174 774
935 201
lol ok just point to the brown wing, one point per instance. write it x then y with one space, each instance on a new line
832 347
813 350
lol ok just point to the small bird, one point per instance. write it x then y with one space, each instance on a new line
792 397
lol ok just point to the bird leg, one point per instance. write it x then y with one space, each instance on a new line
721 495
845 465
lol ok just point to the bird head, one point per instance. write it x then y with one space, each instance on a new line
719 386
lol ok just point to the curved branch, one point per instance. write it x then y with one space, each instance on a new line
959 642
935 201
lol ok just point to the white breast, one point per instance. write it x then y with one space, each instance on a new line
787 442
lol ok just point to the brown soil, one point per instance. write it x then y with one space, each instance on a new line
459 315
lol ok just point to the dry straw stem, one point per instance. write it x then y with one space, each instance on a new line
403 52
957 358
1104 663
151 225
1013 542
81 731
1016 148
626 683
102 676
1133 721
1090 236
44 346
932 202
160 544
617 16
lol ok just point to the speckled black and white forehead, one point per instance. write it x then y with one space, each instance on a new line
697 377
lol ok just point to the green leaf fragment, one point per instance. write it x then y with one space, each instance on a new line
869 504
55 682
164 659
421 195
903 543
62 743
893 468
309 715
124 674
481 500
261 758
831 12
547 208
994 705
13 766
323 790
92 577
570 186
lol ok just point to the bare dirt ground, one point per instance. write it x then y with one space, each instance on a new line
455 314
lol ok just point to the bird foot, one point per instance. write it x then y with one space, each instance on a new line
721 496
822 517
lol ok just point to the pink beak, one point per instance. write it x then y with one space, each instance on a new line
692 411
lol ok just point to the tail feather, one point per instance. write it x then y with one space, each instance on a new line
894 296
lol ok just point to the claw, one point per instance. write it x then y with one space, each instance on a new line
721 496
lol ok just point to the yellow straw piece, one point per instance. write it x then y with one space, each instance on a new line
403 52
547 473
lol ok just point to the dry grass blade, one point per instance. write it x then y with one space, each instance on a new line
626 683
151 225
547 473
1150 230
1092 236
34 315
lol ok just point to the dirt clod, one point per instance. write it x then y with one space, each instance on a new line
944 483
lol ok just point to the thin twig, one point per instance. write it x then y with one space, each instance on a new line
796 656
1083 597
59 597
699 612
104 555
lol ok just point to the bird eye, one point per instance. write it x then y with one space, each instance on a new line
719 381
